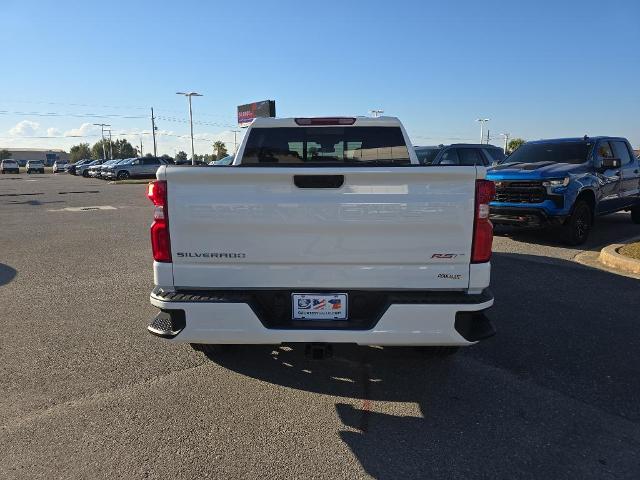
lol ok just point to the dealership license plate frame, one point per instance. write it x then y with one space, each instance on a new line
323 315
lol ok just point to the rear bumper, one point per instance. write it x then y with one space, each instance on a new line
523 217
423 318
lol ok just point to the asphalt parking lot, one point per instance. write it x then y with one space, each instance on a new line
87 393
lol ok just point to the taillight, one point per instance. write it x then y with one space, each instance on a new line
482 227
160 240
326 121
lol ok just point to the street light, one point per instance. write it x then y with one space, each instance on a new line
189 95
482 122
506 141
376 113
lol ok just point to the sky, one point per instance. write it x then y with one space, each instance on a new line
536 69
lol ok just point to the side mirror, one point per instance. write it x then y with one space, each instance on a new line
607 163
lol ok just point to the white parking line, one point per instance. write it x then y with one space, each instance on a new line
83 209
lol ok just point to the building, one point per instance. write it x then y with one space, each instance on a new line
48 156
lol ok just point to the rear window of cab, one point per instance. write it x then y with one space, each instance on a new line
326 145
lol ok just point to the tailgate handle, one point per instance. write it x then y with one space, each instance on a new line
318 181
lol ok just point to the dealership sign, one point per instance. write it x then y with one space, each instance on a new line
247 113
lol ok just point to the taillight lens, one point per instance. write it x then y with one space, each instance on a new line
160 240
482 227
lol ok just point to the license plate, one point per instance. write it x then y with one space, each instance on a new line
319 306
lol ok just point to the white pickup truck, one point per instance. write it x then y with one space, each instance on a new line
323 230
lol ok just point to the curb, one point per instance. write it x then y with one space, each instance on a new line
610 257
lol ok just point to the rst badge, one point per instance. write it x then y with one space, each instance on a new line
442 256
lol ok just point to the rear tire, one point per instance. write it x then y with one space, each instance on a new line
577 227
635 214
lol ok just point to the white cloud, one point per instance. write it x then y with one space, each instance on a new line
53 132
84 129
24 128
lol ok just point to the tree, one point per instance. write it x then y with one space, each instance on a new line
97 152
5 154
120 148
166 158
513 144
79 152
220 148
123 149
181 157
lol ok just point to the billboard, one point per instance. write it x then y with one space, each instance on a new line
246 113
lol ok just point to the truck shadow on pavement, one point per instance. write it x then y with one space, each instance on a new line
608 229
7 274
553 395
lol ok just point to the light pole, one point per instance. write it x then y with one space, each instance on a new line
102 125
482 122
110 146
376 113
235 143
506 141
189 95
153 131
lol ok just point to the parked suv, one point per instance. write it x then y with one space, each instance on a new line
71 168
59 166
460 154
9 166
566 182
109 172
145 167
36 166
84 168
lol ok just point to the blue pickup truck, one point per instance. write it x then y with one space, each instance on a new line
566 183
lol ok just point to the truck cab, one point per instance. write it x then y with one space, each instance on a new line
566 183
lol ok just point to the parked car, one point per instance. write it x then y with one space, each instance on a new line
228 160
9 166
566 183
71 167
83 170
35 166
144 167
109 172
422 233
59 166
100 170
460 154
95 171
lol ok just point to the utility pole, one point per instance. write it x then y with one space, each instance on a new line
140 146
110 146
235 143
488 136
189 95
102 125
482 122
506 141
153 130
376 113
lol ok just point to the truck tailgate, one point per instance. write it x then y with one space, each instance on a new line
385 228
